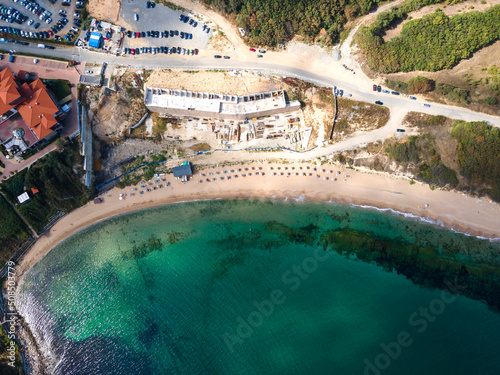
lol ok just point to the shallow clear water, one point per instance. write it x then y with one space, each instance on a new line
211 288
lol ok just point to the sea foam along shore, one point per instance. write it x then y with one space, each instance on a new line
479 217
455 211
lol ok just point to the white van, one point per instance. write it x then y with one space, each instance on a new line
136 17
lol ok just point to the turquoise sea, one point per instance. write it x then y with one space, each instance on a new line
251 287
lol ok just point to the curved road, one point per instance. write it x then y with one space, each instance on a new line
313 65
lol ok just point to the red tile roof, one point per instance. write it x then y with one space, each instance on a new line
33 103
9 92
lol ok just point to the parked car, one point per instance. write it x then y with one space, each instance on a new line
413 98
217 56
400 130
227 57
136 17
252 49
374 87
426 105
379 88
260 56
394 93
379 102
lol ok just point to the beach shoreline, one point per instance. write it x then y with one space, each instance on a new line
448 209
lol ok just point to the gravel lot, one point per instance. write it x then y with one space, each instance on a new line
160 18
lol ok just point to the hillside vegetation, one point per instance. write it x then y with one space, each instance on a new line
480 91
57 177
272 22
432 43
13 232
478 155
446 153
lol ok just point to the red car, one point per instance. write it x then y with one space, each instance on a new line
196 51
138 34
132 51
252 49
374 87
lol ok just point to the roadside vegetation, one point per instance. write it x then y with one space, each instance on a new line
273 22
483 93
57 176
446 153
432 43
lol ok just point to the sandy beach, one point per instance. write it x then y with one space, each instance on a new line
457 211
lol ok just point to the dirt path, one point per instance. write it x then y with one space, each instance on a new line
346 48
449 10
230 30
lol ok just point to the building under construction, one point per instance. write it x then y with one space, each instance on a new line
182 103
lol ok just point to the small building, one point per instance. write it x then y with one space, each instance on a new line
89 80
95 40
183 171
24 197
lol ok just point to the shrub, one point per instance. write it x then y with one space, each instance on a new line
490 100
397 85
404 152
453 93
419 85
477 152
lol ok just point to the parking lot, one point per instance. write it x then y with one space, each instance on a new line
160 19
30 8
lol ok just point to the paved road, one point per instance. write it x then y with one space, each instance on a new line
317 69
359 88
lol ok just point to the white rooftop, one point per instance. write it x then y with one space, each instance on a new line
180 102
23 197
215 103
